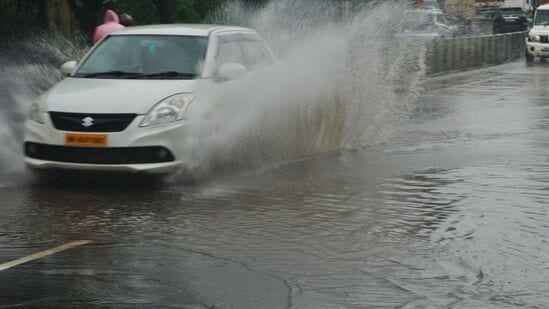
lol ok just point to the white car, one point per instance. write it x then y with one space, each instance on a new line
537 42
123 107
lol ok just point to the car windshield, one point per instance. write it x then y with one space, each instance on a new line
484 11
511 11
542 17
146 57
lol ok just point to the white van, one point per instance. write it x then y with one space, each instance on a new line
537 42
123 107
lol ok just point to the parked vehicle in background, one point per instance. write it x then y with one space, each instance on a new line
486 13
509 19
124 106
537 42
427 23
526 5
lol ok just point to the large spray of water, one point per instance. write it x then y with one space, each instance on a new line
338 85
29 67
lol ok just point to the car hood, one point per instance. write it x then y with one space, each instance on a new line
540 30
85 95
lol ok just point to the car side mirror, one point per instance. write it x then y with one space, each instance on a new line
68 67
231 71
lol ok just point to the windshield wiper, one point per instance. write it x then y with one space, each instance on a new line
134 75
108 74
166 74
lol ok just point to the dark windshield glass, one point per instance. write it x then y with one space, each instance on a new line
542 17
511 11
135 55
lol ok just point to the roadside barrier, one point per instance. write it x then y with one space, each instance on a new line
469 52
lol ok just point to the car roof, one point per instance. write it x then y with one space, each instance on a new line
427 10
543 7
510 7
178 29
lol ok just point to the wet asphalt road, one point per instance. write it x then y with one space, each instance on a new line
449 212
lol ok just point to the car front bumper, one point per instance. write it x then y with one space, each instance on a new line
537 49
152 168
507 28
55 154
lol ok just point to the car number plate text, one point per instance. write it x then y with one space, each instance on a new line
86 140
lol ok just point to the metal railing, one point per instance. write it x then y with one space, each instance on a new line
469 52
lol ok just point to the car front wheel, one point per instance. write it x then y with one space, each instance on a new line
529 58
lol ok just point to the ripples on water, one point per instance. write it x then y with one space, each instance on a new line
338 231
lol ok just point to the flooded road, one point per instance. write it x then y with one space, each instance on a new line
451 211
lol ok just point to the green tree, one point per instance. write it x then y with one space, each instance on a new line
186 12
204 7
24 14
87 13
140 11
166 10
21 16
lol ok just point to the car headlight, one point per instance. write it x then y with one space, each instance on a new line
36 113
168 110
534 37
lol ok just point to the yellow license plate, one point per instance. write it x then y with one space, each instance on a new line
86 140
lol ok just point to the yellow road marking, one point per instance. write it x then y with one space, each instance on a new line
44 253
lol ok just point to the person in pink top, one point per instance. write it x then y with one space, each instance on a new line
111 22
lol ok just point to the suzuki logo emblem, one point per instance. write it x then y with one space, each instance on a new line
87 122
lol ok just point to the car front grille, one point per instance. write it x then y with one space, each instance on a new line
92 155
91 122
544 38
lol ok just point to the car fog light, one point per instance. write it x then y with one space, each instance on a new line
532 48
162 154
31 149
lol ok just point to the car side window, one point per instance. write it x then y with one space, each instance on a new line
255 52
229 51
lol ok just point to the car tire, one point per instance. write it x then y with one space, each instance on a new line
529 58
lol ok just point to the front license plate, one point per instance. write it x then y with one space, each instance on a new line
86 140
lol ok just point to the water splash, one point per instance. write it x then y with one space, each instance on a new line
338 85
30 66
